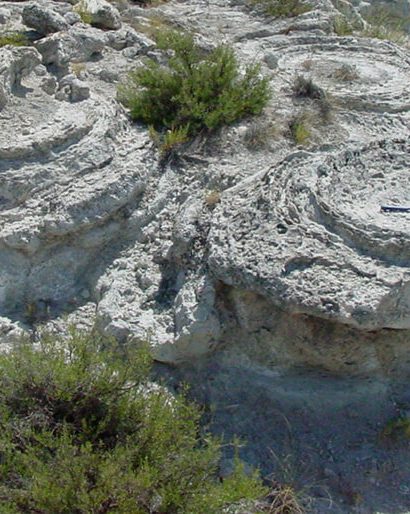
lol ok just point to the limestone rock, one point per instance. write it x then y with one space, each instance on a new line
5 15
310 235
43 20
102 14
78 90
76 45
16 63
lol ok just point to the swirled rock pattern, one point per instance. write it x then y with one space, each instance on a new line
310 235
266 270
92 222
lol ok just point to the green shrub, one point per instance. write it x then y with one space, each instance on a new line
196 90
383 24
300 129
83 431
13 39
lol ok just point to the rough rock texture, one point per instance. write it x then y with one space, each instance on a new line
102 14
88 213
268 256
44 21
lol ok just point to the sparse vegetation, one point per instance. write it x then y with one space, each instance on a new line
283 8
397 428
307 64
305 88
300 128
346 73
259 134
212 198
196 91
78 68
382 24
149 26
84 431
342 27
169 140
82 11
13 39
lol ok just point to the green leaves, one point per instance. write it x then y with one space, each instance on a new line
85 431
199 90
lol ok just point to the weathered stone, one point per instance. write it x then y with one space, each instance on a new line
16 63
43 20
5 15
101 13
78 90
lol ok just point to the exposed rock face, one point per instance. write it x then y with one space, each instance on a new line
44 21
266 255
310 236
89 217
102 14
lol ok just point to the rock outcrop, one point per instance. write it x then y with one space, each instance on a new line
89 216
269 256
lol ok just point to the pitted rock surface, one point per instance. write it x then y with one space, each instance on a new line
265 271
89 216
310 235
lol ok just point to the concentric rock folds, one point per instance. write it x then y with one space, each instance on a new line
190 254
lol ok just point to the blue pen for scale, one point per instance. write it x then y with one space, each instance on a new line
395 208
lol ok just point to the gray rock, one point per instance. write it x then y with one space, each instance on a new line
101 13
317 217
77 45
16 64
76 90
5 15
49 85
43 20
72 18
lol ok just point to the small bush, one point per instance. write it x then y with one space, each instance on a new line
13 39
196 91
83 431
259 135
300 129
346 73
305 88
397 428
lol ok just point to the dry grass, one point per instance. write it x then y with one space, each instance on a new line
212 198
259 135
78 68
301 128
150 26
284 500
346 73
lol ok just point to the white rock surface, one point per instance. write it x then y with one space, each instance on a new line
102 14
43 20
186 253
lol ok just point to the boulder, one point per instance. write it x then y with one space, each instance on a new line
310 236
43 20
100 13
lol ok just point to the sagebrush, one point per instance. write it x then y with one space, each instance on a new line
84 431
196 91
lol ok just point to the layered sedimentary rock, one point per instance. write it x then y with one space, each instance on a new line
187 253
